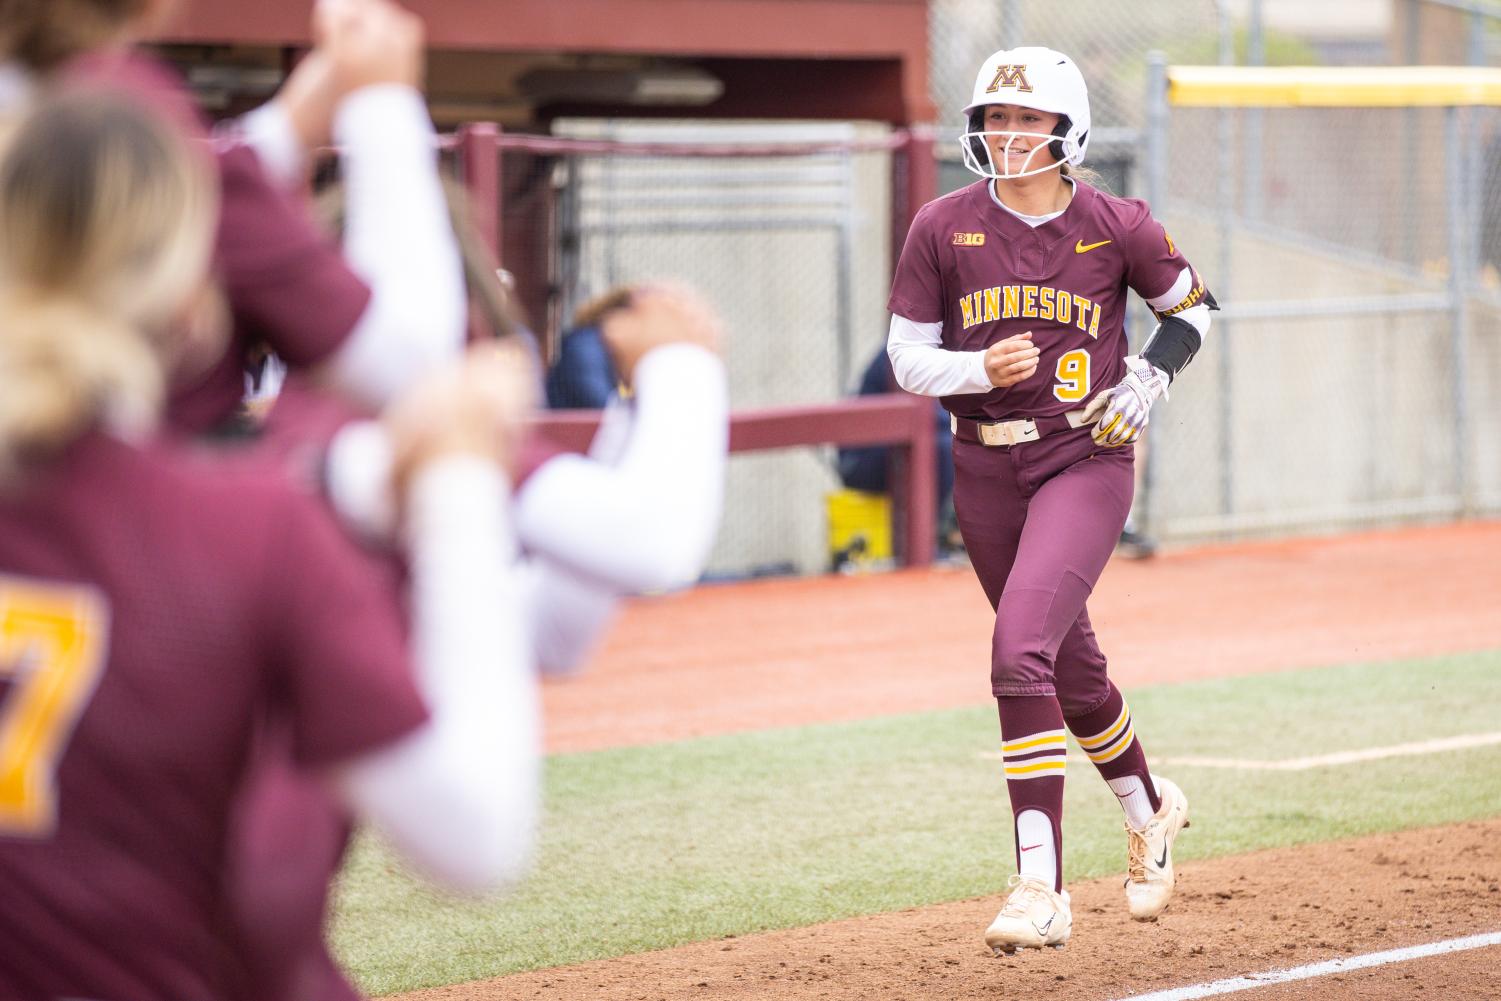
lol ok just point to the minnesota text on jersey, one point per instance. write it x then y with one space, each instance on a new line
1031 302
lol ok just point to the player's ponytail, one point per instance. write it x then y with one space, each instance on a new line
64 367
105 220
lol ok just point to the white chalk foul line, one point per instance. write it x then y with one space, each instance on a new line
1434 746
1323 969
1345 757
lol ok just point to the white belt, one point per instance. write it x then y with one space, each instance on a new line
1001 433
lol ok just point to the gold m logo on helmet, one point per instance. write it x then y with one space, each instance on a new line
1010 76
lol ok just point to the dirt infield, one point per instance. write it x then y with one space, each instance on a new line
757 655
822 649
1232 916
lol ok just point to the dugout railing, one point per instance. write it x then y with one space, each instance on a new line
899 420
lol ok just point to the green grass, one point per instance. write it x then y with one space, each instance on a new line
650 847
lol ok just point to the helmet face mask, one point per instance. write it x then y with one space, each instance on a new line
1028 77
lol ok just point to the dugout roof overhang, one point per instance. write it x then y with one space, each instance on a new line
525 62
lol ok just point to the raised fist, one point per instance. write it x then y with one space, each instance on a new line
1009 361
634 321
368 42
478 407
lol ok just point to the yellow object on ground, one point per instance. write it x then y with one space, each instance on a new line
859 529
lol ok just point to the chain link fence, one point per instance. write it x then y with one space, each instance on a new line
792 249
1349 379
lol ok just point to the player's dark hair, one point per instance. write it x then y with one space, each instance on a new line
106 220
42 34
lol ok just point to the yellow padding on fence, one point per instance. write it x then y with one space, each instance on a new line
1333 86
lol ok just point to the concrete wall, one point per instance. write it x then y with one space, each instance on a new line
1321 422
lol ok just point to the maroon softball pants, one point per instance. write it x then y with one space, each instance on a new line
1039 521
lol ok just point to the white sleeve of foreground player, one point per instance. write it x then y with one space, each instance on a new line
459 797
646 521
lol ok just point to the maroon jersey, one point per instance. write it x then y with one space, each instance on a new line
286 843
986 275
155 611
287 283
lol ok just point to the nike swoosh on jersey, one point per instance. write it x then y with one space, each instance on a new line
1080 247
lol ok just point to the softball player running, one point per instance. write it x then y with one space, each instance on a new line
1008 303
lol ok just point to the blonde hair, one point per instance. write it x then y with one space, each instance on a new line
105 223
1080 173
42 34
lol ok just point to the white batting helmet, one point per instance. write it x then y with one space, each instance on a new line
1031 77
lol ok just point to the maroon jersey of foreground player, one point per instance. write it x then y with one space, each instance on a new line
150 612
286 282
986 275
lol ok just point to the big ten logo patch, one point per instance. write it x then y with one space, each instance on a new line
1010 76
969 239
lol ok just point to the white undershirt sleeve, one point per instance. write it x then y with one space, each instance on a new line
459 797
568 615
923 366
398 238
645 522
1198 315
269 133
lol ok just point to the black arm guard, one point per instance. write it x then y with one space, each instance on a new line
1172 346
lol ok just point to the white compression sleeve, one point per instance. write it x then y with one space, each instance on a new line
459 797
923 366
357 479
269 133
646 522
398 238
568 615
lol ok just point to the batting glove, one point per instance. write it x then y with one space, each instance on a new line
1121 411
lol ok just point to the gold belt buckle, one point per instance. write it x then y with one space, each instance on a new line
1008 432
994 435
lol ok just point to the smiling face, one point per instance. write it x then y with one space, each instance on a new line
1018 138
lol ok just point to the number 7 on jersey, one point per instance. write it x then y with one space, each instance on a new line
53 641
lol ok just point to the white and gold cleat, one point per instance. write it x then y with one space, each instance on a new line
1034 916
1149 865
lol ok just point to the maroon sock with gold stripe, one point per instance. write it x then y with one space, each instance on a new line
1109 739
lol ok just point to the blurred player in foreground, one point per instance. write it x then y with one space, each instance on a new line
639 514
157 608
1009 303
366 317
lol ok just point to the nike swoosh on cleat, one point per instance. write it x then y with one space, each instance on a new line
1042 929
1162 862
1080 247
